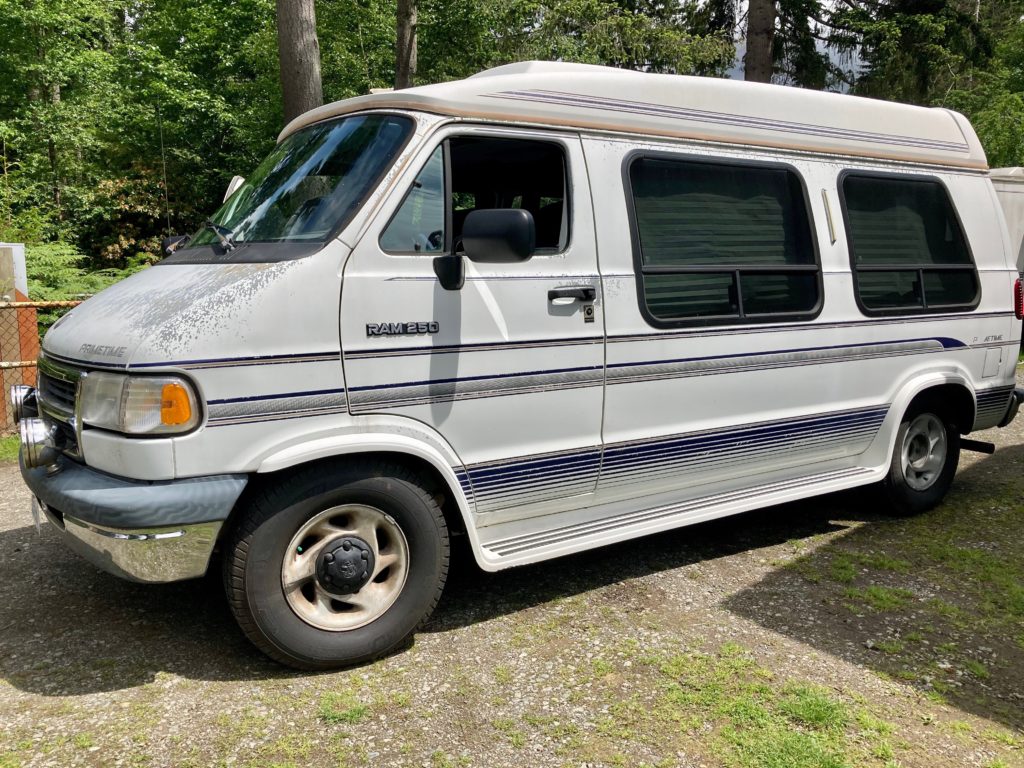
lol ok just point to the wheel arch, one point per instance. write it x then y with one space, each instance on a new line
425 459
953 390
953 396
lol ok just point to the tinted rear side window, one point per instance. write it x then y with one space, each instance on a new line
907 248
721 242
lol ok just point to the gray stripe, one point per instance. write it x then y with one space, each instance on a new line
721 118
257 361
685 368
265 410
421 394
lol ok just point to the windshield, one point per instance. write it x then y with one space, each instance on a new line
311 184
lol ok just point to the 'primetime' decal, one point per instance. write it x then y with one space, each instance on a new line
102 350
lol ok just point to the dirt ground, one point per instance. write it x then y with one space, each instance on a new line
814 634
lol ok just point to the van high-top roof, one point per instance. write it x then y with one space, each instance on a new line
698 108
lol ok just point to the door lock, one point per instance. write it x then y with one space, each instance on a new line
569 293
585 294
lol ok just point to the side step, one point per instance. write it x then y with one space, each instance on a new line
505 545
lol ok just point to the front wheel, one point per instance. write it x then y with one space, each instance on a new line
337 565
924 461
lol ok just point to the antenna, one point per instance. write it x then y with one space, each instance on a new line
163 161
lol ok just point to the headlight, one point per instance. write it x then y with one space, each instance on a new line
138 405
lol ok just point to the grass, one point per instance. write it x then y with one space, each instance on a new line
928 592
502 674
9 449
843 570
507 727
342 709
759 723
889 646
977 669
880 598
813 707
84 741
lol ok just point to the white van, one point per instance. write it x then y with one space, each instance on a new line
549 307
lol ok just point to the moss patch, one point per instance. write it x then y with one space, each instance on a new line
9 449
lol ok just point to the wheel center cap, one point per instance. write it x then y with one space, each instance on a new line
344 566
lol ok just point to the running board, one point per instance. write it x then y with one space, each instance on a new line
502 550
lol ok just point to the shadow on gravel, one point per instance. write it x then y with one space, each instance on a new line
936 602
472 596
68 629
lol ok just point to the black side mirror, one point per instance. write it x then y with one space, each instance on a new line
499 235
170 244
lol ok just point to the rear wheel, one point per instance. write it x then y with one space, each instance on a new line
924 461
337 565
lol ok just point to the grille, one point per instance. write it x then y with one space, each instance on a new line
57 392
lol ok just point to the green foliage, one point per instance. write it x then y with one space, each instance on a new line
57 272
994 100
912 50
96 96
643 34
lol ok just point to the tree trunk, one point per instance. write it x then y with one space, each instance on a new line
299 52
405 50
757 64
51 150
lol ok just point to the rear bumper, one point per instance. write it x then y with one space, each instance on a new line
141 531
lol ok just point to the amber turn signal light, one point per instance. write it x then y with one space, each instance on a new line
175 407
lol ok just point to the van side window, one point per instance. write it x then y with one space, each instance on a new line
485 173
721 242
907 249
512 173
419 224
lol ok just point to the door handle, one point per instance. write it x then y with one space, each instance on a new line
572 293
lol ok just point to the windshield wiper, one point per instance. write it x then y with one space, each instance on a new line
224 234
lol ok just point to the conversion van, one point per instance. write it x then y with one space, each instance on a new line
550 307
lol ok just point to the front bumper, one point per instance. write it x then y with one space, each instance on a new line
141 531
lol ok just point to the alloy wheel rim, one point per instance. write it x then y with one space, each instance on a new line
924 451
308 594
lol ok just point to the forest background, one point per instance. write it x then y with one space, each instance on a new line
100 101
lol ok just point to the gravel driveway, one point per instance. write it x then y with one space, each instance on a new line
813 634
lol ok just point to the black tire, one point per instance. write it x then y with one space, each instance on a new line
903 497
273 515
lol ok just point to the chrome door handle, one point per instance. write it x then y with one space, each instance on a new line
573 293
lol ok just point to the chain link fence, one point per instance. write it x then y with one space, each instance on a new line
22 325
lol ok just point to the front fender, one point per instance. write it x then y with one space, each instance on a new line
387 434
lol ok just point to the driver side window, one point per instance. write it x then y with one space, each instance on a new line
418 226
486 173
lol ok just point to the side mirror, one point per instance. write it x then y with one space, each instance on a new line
170 244
235 183
499 235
